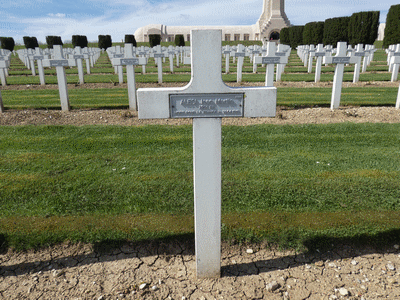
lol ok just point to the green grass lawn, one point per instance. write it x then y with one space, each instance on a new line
118 97
295 185
280 183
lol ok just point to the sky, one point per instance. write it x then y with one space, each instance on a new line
41 18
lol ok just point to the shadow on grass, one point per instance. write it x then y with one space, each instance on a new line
320 248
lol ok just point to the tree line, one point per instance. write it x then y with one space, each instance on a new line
359 28
104 41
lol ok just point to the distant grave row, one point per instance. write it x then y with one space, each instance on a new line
268 55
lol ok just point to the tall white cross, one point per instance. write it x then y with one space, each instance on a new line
206 99
130 62
340 60
60 62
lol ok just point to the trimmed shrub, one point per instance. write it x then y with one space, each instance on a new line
79 40
7 43
296 36
179 40
154 40
105 41
392 29
130 39
284 36
30 42
363 27
313 33
336 30
53 40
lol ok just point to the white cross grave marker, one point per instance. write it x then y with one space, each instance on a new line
340 60
319 53
4 64
130 62
158 54
398 100
226 50
38 56
60 62
240 54
270 59
78 56
206 99
283 50
171 53
87 59
359 53
395 63
311 55
142 52
31 61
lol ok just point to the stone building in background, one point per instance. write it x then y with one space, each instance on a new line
268 27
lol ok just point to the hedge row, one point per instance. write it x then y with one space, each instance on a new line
52 40
7 43
105 41
30 42
79 41
360 28
392 30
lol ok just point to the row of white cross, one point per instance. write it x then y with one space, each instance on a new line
128 57
393 60
5 59
30 56
308 52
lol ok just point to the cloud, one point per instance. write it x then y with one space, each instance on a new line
120 17
56 15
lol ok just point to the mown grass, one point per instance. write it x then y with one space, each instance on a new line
279 183
118 97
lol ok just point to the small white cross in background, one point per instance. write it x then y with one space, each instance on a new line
60 62
270 59
340 60
130 62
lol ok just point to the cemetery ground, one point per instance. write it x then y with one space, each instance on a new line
94 211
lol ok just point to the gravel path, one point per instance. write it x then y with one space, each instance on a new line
167 271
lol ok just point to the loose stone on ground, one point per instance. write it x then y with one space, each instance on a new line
141 271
